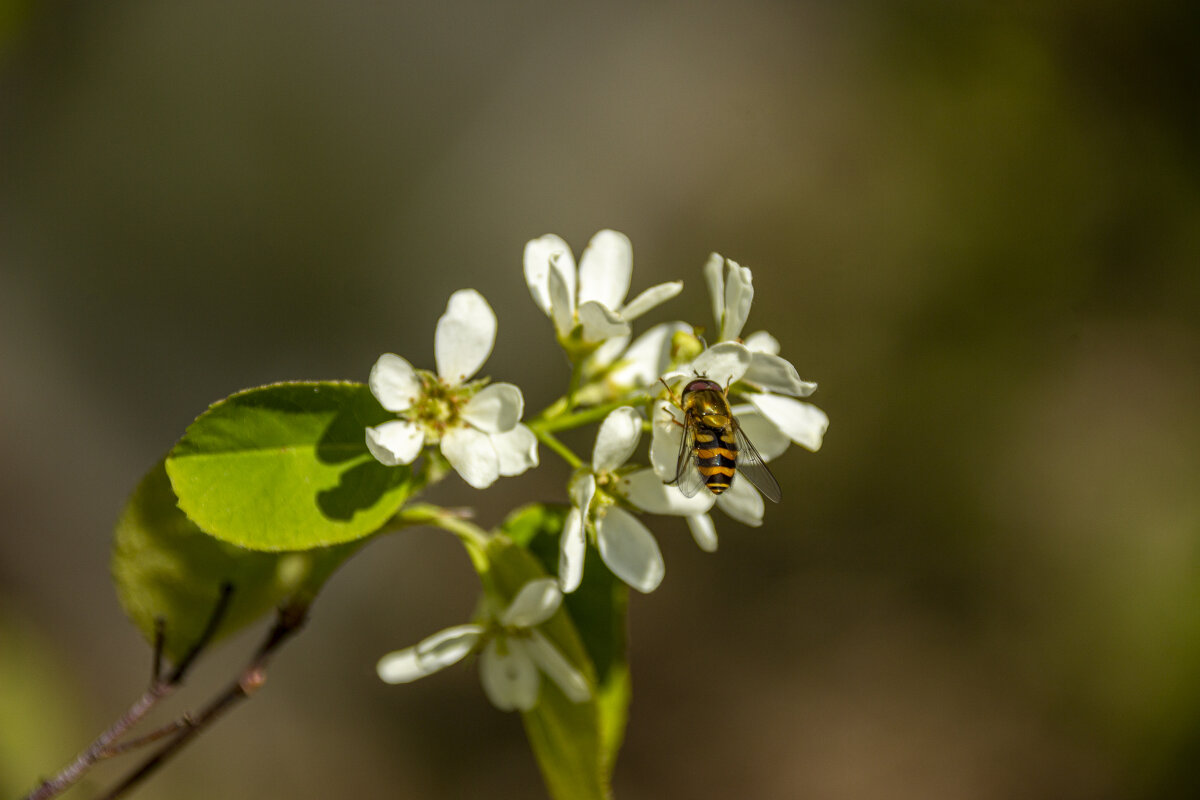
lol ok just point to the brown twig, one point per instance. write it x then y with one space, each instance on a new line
105 744
210 630
117 749
287 624
160 642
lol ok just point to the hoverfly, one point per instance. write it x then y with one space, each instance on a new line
714 447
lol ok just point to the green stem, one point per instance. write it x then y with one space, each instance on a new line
573 385
551 441
548 422
473 537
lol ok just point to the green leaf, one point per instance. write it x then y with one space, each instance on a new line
165 567
599 608
575 743
286 467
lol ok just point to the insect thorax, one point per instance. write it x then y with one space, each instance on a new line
708 403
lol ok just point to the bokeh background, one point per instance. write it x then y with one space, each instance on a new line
978 230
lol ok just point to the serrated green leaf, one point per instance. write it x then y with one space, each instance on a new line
165 567
286 467
575 743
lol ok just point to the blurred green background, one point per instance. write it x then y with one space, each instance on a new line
978 230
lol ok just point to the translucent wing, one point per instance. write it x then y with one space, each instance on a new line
687 473
750 466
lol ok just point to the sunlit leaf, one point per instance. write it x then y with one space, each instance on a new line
286 467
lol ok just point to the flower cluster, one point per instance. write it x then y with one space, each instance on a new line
628 385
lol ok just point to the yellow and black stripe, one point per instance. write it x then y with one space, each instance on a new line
716 456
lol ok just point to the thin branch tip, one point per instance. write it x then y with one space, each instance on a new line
160 642
210 630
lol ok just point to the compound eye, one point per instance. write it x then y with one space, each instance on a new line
700 385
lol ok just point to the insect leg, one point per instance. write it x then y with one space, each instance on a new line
674 397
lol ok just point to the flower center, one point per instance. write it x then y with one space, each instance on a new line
439 407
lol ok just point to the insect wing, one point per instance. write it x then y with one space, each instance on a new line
750 465
687 472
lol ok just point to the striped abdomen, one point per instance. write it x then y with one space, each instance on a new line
716 456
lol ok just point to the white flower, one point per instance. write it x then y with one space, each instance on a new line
626 546
515 653
770 421
731 294
594 295
477 426
755 362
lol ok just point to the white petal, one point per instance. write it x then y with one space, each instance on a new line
742 502
402 666
572 549
617 439
495 409
704 532
534 604
654 296
394 383
762 342
395 442
600 322
432 654
739 292
714 276
776 374
582 489
629 550
724 363
803 423
464 337
510 680
763 434
605 268
564 264
557 668
472 455
448 647
648 357
562 298
676 375
646 490
665 439
537 266
517 450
